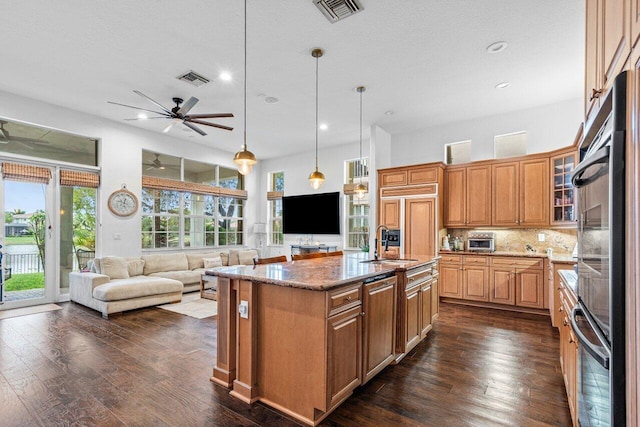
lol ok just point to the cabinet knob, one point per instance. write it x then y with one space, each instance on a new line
571 340
595 93
348 298
564 322
561 309
362 314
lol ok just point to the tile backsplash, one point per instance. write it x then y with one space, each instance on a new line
561 241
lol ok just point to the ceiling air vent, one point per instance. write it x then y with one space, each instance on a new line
337 10
193 78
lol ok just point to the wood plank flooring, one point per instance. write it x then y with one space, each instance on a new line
151 367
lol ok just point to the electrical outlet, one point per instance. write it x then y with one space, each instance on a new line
540 237
243 309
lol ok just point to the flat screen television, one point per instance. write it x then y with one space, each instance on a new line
311 214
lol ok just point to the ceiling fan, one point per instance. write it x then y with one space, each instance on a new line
157 164
6 138
179 114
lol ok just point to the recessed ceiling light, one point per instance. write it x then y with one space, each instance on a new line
389 113
225 76
323 126
497 47
503 85
142 116
271 100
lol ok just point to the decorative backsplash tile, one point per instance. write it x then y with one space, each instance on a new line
561 241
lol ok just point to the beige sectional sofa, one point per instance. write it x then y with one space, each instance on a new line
117 284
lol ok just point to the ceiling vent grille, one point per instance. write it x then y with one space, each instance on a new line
337 10
193 78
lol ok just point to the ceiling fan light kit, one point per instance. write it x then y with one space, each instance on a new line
316 178
245 159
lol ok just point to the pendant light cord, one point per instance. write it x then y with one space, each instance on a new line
244 140
360 168
317 113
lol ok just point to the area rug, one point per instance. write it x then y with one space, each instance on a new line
194 306
28 310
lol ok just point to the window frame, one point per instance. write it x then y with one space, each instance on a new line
351 200
272 208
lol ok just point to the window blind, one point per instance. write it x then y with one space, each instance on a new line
25 173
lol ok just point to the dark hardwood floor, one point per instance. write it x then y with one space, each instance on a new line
151 367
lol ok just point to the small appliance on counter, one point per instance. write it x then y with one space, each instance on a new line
445 243
481 241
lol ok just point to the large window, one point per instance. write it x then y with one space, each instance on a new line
203 209
357 210
274 198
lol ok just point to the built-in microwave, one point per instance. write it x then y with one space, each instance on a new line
481 242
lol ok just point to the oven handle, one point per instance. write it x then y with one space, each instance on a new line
601 358
600 156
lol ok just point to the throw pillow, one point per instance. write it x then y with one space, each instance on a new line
135 267
246 257
115 267
212 262
233 257
225 258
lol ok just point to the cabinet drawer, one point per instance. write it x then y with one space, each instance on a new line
476 260
451 259
343 298
418 277
536 263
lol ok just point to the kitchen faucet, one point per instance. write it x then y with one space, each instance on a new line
375 241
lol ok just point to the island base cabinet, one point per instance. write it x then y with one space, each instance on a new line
379 328
412 318
344 346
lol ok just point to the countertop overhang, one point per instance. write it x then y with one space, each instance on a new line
320 274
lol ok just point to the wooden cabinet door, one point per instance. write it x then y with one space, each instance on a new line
504 187
530 288
435 300
592 82
390 213
502 287
615 33
423 175
344 354
451 280
534 192
413 305
478 196
635 23
475 283
379 306
425 315
454 197
420 227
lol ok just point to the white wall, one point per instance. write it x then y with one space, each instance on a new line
548 127
120 153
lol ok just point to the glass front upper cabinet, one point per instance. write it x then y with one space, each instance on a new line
563 193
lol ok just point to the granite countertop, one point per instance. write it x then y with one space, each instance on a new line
562 258
319 273
570 279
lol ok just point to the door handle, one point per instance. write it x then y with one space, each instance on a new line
603 358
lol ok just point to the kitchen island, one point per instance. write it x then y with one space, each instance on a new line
301 336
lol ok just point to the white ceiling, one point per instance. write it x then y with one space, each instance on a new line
425 60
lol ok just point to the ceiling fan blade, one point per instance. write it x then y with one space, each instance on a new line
200 122
3 134
162 107
149 118
25 145
187 106
137 108
168 128
208 116
194 128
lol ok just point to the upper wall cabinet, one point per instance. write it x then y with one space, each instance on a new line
607 46
563 198
467 197
430 173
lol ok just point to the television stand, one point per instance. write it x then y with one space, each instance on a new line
309 249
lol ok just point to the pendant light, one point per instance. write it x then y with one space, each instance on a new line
316 178
361 189
244 158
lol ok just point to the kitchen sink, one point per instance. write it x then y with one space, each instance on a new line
388 261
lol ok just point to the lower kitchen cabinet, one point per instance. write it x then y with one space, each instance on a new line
518 281
417 306
475 278
568 350
344 348
451 276
502 288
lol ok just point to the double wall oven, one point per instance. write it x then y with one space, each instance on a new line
599 317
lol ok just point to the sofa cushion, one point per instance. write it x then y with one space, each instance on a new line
164 262
135 267
115 267
187 277
196 260
246 257
225 258
233 257
212 262
135 287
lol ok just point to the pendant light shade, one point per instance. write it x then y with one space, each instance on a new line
244 158
361 189
316 178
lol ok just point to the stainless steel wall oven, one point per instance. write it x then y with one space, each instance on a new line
598 318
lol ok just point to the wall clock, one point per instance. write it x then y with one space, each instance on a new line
123 202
